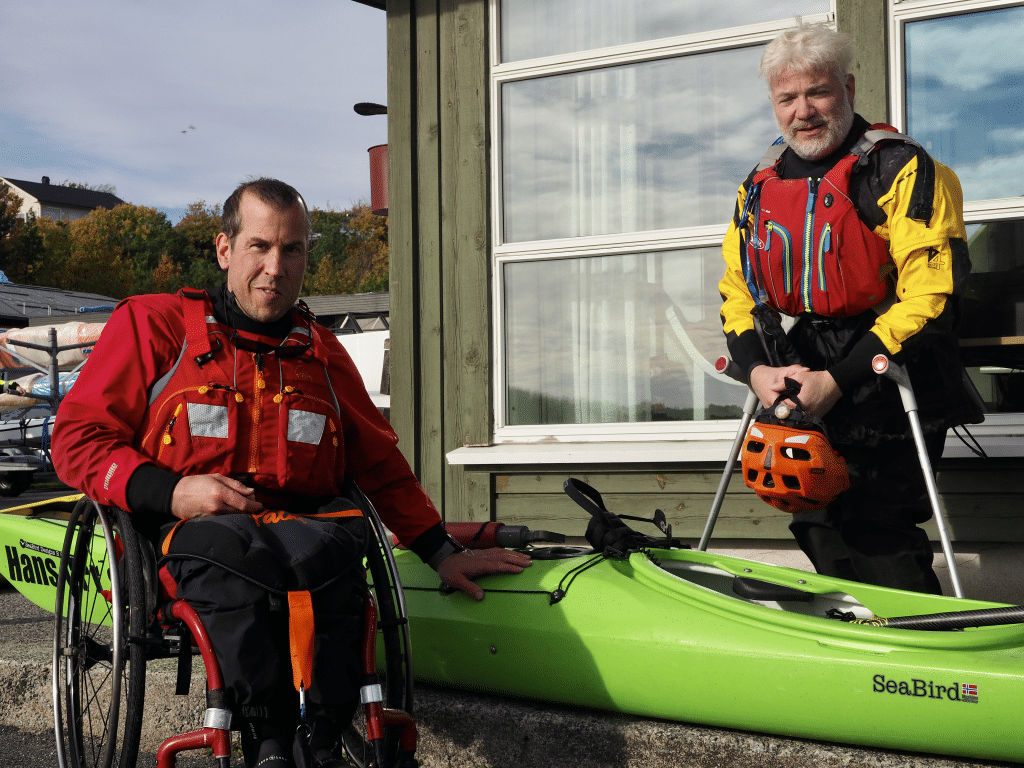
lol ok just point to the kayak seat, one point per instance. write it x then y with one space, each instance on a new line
766 591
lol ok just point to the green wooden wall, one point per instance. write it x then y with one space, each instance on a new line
438 217
441 303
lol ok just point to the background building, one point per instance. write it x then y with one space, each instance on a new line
562 173
57 202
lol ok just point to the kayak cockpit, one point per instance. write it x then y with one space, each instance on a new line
769 594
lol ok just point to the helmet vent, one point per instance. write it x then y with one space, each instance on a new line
797 454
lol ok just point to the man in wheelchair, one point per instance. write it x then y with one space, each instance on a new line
226 421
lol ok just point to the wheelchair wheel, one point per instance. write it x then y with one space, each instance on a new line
99 667
393 635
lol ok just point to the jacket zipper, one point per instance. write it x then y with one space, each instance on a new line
807 269
257 413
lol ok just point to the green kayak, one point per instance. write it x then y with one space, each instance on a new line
687 635
663 633
32 536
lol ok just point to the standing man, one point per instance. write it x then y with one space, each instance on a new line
225 422
858 234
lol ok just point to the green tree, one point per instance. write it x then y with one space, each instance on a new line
25 253
197 232
94 187
10 205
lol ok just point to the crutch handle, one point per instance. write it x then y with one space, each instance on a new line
727 367
883 366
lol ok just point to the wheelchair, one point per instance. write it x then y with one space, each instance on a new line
113 615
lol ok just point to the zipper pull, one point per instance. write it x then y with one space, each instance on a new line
258 357
166 440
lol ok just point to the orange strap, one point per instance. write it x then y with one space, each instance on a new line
166 546
300 636
338 513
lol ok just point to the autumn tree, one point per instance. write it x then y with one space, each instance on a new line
350 254
330 236
366 264
117 251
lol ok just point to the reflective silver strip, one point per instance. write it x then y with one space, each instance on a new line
371 693
205 420
306 427
217 718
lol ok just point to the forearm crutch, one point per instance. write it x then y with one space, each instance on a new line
883 366
727 367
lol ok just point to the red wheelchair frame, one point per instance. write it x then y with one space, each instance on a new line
100 652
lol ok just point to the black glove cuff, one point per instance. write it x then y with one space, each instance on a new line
449 547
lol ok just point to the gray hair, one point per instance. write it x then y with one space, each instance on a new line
808 47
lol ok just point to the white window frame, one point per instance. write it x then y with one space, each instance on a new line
1002 434
719 432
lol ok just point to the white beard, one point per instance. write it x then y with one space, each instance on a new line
835 131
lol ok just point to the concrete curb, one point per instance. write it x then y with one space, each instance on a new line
466 730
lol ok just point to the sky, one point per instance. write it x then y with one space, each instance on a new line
178 102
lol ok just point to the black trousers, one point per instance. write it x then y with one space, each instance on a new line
236 571
869 533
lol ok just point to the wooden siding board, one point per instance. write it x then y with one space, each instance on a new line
465 249
981 501
431 256
402 222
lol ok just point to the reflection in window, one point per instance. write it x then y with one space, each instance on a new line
965 97
992 328
534 28
655 145
610 339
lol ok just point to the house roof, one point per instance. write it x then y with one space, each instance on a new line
24 305
370 303
58 194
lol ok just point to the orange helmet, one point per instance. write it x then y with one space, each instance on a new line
793 469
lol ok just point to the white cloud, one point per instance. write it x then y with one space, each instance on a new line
968 52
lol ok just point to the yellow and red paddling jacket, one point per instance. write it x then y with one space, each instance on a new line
885 223
169 385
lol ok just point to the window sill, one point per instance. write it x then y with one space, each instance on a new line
1000 436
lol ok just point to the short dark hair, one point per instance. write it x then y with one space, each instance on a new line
275 193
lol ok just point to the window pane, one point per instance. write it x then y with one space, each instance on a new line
625 338
965 98
624 149
533 28
992 328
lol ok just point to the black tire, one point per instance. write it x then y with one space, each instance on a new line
14 483
393 634
99 667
